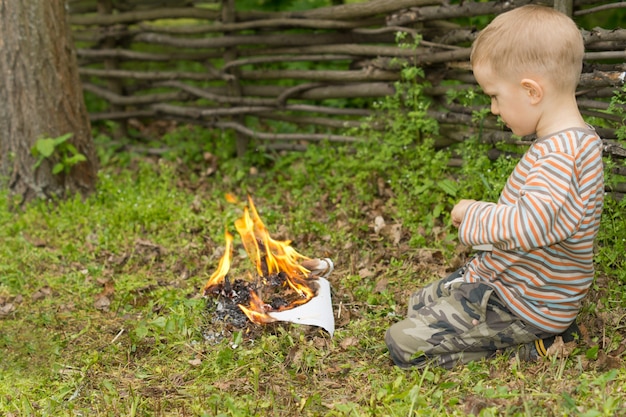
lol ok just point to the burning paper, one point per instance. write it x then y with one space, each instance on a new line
317 312
288 286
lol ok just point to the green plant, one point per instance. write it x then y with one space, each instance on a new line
617 106
58 150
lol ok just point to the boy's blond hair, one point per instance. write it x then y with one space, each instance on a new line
532 40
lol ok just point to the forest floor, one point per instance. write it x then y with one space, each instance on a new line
102 314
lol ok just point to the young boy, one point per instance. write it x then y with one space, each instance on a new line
529 286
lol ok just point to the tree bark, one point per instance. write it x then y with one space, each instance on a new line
41 97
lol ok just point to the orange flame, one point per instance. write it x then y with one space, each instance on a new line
270 257
217 278
257 310
231 198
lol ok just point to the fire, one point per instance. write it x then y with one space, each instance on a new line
223 267
273 260
257 312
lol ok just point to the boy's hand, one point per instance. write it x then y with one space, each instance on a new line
458 212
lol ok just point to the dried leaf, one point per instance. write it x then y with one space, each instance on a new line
118 260
606 362
366 273
6 309
67 308
381 285
102 303
294 356
109 288
211 160
41 293
379 223
349 341
561 349
196 205
143 246
395 233
36 242
195 362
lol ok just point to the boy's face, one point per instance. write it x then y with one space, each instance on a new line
509 100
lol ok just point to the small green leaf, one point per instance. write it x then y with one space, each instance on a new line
592 352
75 160
569 402
141 331
437 210
71 148
57 168
159 322
450 187
59 140
39 161
45 147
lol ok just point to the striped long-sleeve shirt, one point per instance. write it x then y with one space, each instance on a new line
542 230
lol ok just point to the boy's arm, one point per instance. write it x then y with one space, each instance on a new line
547 210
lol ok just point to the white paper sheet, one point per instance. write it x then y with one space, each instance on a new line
318 311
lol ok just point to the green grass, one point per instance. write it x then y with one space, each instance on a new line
151 235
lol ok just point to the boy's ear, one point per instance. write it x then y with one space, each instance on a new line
533 89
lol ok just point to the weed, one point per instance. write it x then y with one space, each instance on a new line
57 149
617 107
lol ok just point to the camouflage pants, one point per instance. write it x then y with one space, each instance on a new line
451 321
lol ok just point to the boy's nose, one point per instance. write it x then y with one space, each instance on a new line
494 108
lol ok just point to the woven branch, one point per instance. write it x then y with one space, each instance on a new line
262 24
449 11
286 136
265 40
218 68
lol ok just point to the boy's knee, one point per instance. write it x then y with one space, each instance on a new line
396 353
404 346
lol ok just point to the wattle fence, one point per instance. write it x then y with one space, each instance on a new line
204 62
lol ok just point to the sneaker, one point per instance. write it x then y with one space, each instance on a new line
539 348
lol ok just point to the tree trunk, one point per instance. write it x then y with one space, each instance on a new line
42 97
